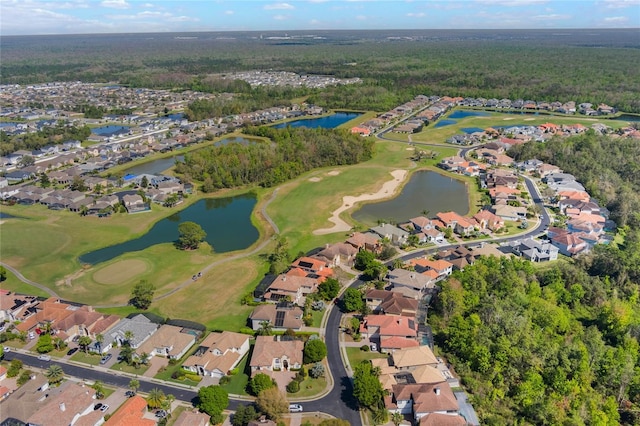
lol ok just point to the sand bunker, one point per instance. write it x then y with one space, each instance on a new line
529 119
388 188
119 272
507 119
333 173
315 179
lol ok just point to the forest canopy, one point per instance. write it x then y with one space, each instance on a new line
291 152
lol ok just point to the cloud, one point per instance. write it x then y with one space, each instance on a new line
416 15
280 17
116 4
550 17
620 4
361 18
278 6
229 12
616 19
182 19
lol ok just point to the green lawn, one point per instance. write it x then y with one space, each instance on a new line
317 317
86 358
121 366
356 356
239 382
309 387
12 283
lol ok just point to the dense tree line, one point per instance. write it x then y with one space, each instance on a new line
544 347
48 135
552 68
292 152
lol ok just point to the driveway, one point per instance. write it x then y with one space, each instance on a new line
155 364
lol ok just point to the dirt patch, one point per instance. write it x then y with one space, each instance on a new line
315 179
507 119
119 272
333 173
529 119
388 188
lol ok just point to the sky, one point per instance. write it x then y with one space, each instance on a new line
22 17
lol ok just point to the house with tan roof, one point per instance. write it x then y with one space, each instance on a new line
131 413
192 418
411 279
441 269
488 220
168 341
337 254
309 264
439 419
218 354
365 241
411 358
281 316
72 406
272 354
12 305
379 327
293 286
390 303
421 400
459 224
569 244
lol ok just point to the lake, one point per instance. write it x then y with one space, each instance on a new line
457 115
328 122
111 130
628 117
426 190
227 222
154 167
472 129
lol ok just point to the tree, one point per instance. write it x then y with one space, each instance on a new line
156 398
98 188
84 342
44 180
77 184
128 337
191 235
59 343
27 160
273 403
45 343
266 328
3 273
98 386
99 340
144 182
260 382
142 294
127 354
314 351
212 399
366 387
243 415
134 385
363 260
329 289
352 300
316 371
397 418
14 368
54 374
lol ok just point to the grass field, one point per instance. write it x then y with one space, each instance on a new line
356 356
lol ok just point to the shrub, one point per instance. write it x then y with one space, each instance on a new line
193 377
316 371
25 376
225 380
173 361
293 386
234 371
364 348
178 374
247 330
14 368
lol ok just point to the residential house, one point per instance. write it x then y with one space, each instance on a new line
312 265
74 405
534 250
12 305
422 399
380 327
507 212
134 203
569 244
131 413
140 326
394 234
487 220
293 286
281 317
168 341
441 268
439 419
459 224
337 254
218 354
390 303
365 241
412 358
272 354
192 418
411 279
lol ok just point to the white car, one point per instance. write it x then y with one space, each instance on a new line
6 349
44 358
295 408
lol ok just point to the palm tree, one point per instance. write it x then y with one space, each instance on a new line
128 337
397 418
265 328
54 374
59 343
156 398
84 342
134 385
99 340
166 404
99 388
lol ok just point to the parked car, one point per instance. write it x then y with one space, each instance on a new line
129 394
295 408
44 357
104 408
97 406
72 351
105 359
6 349
161 414
374 347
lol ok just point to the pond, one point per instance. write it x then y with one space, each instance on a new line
426 190
4 215
111 130
227 222
472 129
457 115
236 139
154 167
328 122
8 124
628 117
